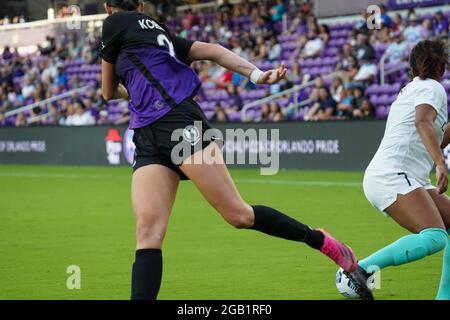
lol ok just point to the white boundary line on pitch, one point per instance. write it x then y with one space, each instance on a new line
317 183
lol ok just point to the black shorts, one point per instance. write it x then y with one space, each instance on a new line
183 127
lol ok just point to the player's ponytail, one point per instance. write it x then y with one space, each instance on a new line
429 59
126 5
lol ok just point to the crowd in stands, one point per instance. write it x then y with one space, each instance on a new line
30 79
253 30
342 97
12 20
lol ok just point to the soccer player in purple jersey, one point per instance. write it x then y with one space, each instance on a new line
147 65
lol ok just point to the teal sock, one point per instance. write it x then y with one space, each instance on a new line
444 287
407 249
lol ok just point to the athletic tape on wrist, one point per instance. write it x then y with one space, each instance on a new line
255 75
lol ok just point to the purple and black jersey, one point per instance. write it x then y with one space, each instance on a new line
151 63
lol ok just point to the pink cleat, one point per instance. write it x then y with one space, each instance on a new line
339 252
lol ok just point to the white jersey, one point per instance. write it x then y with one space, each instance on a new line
402 150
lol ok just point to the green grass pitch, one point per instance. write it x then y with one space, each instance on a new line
54 217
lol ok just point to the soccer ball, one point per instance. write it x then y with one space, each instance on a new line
346 286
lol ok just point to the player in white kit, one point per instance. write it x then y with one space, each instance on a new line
397 180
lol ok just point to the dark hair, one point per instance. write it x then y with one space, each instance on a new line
428 59
127 5
326 89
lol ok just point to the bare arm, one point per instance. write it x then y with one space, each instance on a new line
425 116
111 87
446 139
233 62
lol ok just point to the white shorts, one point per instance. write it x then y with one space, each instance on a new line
381 188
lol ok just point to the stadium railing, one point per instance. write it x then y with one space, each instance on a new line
30 34
295 106
42 104
383 68
211 4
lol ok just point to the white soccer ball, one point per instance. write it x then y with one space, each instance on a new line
346 287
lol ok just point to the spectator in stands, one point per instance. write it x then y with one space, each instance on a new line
324 33
75 81
219 114
48 46
69 112
261 51
382 36
427 30
265 112
15 96
398 24
324 108
296 75
226 6
3 121
103 118
366 111
348 74
82 117
55 115
21 120
413 32
189 20
62 78
319 82
440 24
298 24
361 24
275 115
358 97
49 71
345 104
337 86
344 55
7 54
397 50
28 89
274 49
223 79
235 46
363 49
366 73
314 46
385 18
246 42
234 98
278 11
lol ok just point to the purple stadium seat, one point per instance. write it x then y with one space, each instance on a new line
381 112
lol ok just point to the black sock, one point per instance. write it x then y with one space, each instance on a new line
277 224
146 275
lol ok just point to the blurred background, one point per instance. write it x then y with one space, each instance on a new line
338 67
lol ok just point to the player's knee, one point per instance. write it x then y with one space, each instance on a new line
149 233
240 217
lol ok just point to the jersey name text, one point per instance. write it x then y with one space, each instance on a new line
148 24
